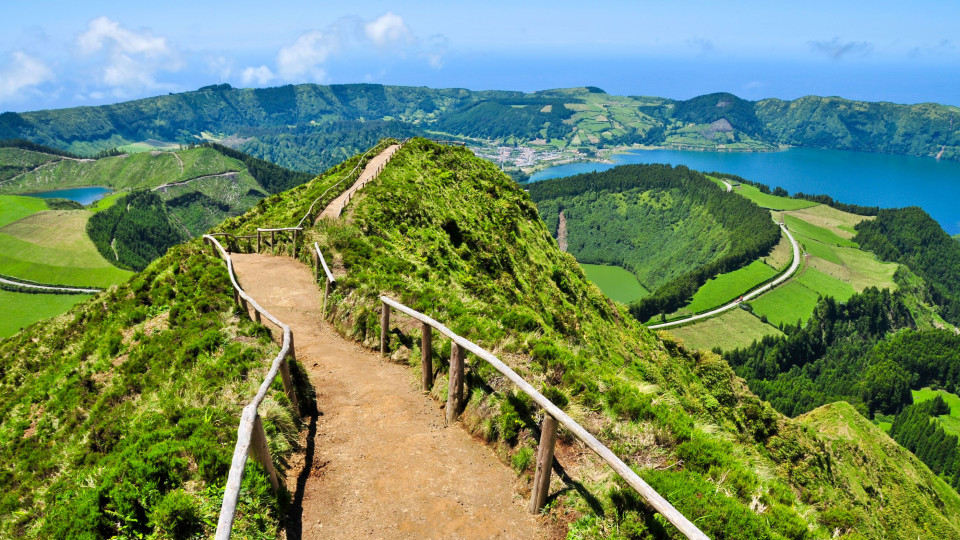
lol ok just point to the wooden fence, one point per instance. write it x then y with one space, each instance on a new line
319 261
250 434
554 416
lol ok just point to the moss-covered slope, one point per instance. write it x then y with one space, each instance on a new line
119 418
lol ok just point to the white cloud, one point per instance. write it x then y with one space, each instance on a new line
304 56
132 59
436 48
837 49
387 29
258 76
21 75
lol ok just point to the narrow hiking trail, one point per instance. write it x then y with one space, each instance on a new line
378 461
369 173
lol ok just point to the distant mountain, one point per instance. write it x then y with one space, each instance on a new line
310 127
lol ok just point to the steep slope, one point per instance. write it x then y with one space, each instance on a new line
451 236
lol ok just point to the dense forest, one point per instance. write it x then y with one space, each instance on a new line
134 231
911 237
294 125
652 239
838 355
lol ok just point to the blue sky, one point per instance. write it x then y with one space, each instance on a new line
62 54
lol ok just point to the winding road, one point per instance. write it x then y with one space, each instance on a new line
747 297
49 287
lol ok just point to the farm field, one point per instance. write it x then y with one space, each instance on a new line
615 282
798 225
729 330
765 200
786 304
950 422
14 208
23 309
53 247
727 287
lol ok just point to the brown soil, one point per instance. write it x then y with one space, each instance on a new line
369 173
377 461
562 232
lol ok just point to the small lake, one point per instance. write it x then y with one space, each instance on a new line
83 195
863 178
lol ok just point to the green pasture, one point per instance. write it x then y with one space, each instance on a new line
786 304
102 204
53 247
729 330
825 285
774 202
813 232
727 287
23 309
615 282
950 422
14 207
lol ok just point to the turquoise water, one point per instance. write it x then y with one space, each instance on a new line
863 178
83 195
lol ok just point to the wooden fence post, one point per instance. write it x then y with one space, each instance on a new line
258 444
455 388
258 241
294 243
426 362
384 326
541 478
316 266
326 295
288 387
273 243
256 316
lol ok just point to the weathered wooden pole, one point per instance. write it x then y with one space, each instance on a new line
455 388
256 316
273 242
258 241
316 267
384 327
258 444
326 295
541 477
288 387
295 243
426 362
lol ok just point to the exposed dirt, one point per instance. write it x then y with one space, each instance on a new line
378 461
562 232
369 173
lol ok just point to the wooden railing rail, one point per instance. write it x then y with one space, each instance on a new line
318 262
549 428
250 433
274 231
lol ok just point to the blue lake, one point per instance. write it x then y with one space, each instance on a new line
83 195
863 178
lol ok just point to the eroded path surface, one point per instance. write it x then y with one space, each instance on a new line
369 173
379 462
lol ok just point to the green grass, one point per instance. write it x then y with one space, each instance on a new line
23 309
615 282
766 200
818 249
53 247
13 207
825 285
950 422
786 304
820 234
102 204
729 330
729 286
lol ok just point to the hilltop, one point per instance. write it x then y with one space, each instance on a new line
137 436
309 127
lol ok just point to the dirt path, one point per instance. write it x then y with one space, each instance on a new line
379 462
369 172
562 232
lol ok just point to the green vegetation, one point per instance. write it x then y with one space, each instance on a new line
949 420
13 208
312 127
789 303
729 286
670 226
729 330
430 232
21 309
916 430
615 282
818 234
133 232
118 419
773 202
911 237
52 247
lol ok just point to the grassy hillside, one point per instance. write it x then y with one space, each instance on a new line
119 417
430 232
311 127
